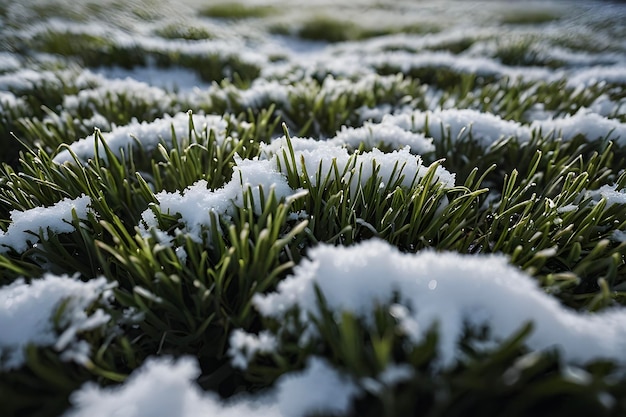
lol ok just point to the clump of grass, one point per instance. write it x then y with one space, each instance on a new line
329 29
238 11
89 50
181 31
529 17
325 28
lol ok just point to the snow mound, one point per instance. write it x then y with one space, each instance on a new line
447 290
26 312
26 225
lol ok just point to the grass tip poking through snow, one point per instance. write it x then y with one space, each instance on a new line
318 158
149 135
447 290
197 202
27 309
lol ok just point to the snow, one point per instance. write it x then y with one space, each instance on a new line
197 204
332 394
318 158
487 128
27 309
444 290
610 193
263 93
170 79
244 346
591 125
135 91
148 134
54 219
372 134
164 387
27 79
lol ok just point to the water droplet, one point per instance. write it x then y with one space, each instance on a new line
432 284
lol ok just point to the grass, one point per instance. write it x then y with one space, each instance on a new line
511 197
528 17
238 11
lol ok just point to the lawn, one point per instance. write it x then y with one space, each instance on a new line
282 208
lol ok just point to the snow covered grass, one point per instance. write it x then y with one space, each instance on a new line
262 207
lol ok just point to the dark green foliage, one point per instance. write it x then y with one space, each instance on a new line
238 11
528 17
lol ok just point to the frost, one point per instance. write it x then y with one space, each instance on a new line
479 290
26 225
26 312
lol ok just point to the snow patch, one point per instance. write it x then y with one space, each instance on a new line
163 387
26 225
148 134
196 204
27 309
445 290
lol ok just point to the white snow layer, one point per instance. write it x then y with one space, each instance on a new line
164 388
197 204
487 128
318 157
446 290
373 134
26 312
26 225
148 134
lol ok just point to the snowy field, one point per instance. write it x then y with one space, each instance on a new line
282 208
